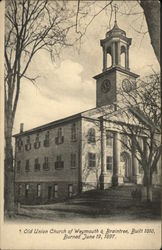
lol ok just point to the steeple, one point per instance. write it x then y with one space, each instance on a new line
116 45
116 75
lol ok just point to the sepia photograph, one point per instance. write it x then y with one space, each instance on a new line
80 130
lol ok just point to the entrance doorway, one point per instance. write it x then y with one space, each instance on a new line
126 166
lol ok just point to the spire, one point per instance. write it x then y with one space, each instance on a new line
115 31
115 9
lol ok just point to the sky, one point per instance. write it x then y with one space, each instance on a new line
66 86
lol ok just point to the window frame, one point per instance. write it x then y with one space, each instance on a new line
46 163
36 163
92 136
109 163
91 161
60 138
59 163
55 191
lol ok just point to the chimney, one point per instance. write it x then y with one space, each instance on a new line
21 127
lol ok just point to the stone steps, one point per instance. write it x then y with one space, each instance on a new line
118 195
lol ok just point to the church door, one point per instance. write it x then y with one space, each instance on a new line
126 166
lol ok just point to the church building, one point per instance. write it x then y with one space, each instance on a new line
86 150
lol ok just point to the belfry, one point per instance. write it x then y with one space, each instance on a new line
116 74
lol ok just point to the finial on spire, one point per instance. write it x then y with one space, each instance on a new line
115 9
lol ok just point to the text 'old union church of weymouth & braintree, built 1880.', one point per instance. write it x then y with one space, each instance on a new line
86 150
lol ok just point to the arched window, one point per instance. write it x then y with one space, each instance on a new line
91 135
123 56
109 60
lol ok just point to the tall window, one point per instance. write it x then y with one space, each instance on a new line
73 132
91 160
19 144
37 165
37 142
28 144
26 190
46 163
55 191
109 138
91 135
109 162
46 140
27 166
18 166
60 137
73 160
38 190
59 164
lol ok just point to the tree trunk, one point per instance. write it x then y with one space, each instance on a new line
9 173
152 14
147 185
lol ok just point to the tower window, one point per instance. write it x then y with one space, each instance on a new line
91 160
91 135
123 56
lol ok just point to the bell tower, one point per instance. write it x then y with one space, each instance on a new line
116 74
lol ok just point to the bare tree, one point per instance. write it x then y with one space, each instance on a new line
152 15
141 123
30 26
